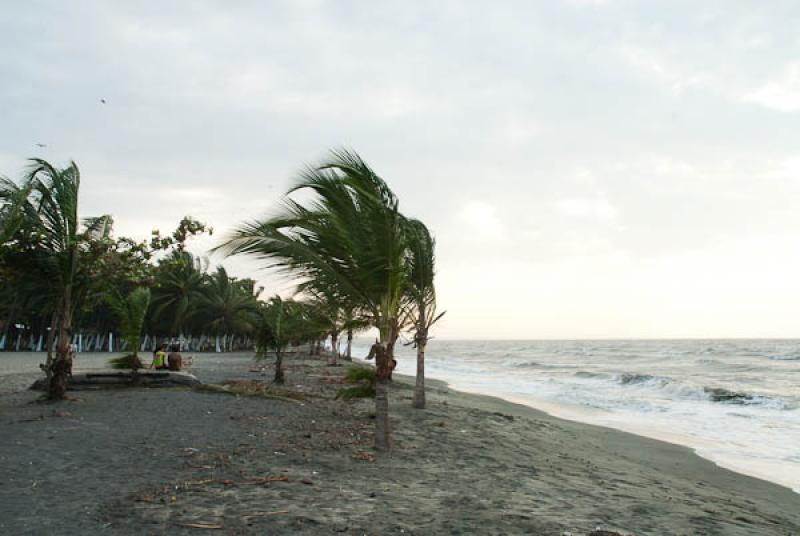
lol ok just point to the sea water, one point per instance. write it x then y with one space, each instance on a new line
735 402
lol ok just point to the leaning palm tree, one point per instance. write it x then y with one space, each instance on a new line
49 213
351 236
421 296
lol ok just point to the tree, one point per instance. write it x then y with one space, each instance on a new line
228 305
44 224
350 236
421 296
179 282
281 324
131 310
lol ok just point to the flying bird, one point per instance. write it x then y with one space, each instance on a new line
103 101
41 145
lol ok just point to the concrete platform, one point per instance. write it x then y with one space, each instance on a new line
112 379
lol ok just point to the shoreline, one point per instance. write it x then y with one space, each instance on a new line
696 445
715 449
467 463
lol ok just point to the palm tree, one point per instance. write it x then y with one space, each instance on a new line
45 209
350 236
227 305
281 324
421 296
130 311
178 289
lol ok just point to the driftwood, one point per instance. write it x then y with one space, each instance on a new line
123 378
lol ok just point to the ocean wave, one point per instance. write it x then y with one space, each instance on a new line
587 374
527 364
680 390
789 357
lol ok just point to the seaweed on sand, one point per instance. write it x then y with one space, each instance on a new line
252 389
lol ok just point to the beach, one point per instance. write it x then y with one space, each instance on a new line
181 461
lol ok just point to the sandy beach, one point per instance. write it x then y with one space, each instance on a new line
179 461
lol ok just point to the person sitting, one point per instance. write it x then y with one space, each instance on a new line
159 359
175 359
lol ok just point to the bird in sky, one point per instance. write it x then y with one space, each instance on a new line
103 101
41 145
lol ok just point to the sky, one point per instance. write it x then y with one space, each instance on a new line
590 169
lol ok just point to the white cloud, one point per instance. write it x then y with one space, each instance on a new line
481 220
596 208
781 92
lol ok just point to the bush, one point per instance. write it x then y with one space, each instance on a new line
360 374
365 376
125 362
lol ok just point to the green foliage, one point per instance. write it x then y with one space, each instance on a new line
130 311
280 324
347 241
356 374
50 256
130 361
365 377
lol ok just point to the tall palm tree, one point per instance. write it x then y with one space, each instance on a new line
421 296
350 235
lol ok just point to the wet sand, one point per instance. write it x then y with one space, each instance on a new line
177 461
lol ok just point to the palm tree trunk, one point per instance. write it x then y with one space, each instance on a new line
279 378
333 359
349 355
383 434
62 366
51 337
419 388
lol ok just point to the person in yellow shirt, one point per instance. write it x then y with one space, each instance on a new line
159 358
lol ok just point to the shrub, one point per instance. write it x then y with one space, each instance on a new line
360 374
129 361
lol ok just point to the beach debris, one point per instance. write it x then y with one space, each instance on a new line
201 525
363 456
32 419
263 514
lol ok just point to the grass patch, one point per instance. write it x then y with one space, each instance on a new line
251 389
364 377
356 374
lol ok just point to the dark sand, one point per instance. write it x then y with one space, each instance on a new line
156 461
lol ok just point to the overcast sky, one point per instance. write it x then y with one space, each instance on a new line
589 168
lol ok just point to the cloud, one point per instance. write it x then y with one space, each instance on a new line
480 219
593 208
579 144
781 92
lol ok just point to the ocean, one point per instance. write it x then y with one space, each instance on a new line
735 402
